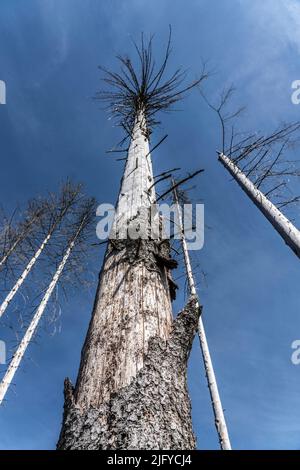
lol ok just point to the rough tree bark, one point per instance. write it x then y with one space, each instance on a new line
152 412
131 387
285 228
133 300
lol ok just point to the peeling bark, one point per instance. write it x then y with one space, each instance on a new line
152 412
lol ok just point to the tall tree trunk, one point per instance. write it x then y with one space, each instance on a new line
133 301
220 421
124 365
289 233
16 360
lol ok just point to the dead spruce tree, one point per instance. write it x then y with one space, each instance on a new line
12 236
264 174
53 213
220 421
259 164
83 219
131 390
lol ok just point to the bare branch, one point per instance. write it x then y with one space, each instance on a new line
143 88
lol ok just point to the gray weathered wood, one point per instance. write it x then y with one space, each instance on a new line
220 421
285 228
152 412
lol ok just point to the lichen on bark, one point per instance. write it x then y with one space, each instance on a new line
152 412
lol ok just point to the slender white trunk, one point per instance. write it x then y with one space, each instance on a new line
23 276
289 233
220 421
15 363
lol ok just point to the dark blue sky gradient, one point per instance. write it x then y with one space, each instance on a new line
50 128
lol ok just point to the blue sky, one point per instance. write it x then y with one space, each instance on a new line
50 128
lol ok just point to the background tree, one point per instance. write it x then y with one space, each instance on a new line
259 164
49 220
78 230
220 421
12 236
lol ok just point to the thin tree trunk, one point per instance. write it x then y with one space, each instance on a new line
220 421
289 233
131 388
66 205
16 360
23 276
